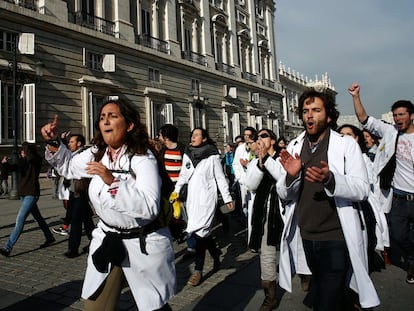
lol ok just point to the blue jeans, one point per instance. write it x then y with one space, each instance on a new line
29 205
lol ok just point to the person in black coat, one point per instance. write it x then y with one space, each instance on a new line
28 188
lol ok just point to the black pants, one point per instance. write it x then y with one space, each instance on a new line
81 212
330 265
203 244
400 220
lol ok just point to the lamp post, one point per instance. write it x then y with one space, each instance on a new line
13 192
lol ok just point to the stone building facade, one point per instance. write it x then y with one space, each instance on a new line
209 63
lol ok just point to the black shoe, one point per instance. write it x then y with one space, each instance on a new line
216 263
71 254
47 243
5 252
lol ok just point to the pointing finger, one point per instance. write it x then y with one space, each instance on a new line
55 121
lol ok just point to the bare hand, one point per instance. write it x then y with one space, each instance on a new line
65 135
230 205
50 130
97 168
318 174
291 164
354 89
262 150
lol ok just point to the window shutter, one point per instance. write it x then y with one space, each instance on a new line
236 124
26 43
169 116
108 63
28 97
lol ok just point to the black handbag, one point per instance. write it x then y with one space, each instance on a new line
182 196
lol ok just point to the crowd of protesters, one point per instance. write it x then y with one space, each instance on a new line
332 205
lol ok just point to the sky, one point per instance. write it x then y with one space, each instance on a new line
366 41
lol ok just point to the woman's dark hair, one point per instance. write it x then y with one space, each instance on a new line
270 133
373 136
328 100
358 133
281 138
204 134
137 139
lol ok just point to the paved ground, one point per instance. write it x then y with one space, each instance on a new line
43 279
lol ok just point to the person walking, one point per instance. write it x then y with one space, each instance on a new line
172 151
227 162
204 175
242 156
171 155
324 173
394 185
266 218
375 223
79 211
129 244
28 188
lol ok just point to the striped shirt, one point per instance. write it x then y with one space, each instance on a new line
173 161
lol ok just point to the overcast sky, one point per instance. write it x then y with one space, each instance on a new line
367 41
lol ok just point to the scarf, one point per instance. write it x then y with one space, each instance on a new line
196 154
266 191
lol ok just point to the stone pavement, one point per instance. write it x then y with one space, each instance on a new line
43 279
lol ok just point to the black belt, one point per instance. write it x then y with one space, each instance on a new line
133 233
408 197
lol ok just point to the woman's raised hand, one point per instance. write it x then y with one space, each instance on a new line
50 130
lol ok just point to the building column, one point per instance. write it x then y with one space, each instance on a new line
270 23
194 36
155 20
171 28
123 27
206 48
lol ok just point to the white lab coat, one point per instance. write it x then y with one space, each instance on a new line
351 184
381 199
203 182
384 152
151 277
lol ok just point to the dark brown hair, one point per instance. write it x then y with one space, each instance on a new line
328 101
137 140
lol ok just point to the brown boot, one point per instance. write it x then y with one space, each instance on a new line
270 302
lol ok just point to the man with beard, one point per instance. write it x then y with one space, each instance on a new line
394 162
323 234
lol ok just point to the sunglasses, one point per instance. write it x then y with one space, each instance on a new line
264 135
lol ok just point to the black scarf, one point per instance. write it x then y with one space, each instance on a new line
266 190
196 154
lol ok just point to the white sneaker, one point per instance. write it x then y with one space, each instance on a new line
61 231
